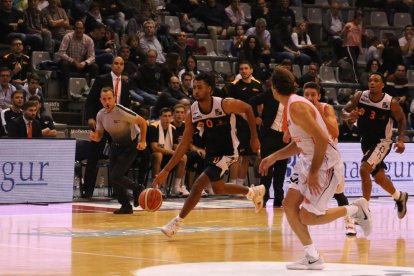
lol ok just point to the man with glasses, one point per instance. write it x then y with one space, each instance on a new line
150 41
17 62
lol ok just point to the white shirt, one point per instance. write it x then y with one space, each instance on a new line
278 122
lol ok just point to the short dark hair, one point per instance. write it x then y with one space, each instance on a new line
379 74
33 76
186 74
283 81
17 92
178 106
312 85
164 110
245 62
106 89
2 69
207 78
34 98
28 105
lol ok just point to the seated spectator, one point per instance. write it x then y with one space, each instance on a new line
181 47
112 15
41 4
172 66
137 55
283 46
77 55
13 25
104 48
25 126
213 15
150 79
138 12
46 122
79 9
303 42
332 25
374 50
6 88
33 88
373 66
397 87
11 113
311 76
391 55
279 12
150 41
348 132
17 62
263 37
93 16
260 9
163 141
235 14
186 85
37 25
165 37
171 96
57 20
237 41
252 53
190 67
407 46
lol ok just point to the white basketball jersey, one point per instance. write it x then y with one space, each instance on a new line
305 142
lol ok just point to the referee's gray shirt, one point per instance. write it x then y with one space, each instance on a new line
119 123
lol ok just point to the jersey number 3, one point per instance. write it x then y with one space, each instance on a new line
372 115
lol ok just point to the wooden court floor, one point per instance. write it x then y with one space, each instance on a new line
87 239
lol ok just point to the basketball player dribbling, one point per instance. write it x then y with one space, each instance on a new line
215 119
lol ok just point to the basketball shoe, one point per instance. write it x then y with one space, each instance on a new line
363 215
171 228
401 204
307 263
257 198
350 226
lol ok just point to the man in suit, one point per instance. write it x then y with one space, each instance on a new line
25 126
115 80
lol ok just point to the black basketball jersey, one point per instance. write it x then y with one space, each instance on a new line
217 128
375 123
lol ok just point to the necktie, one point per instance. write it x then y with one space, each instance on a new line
116 88
29 130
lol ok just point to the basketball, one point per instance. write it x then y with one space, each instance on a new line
150 199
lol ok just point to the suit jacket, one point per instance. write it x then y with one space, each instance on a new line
270 107
93 104
17 128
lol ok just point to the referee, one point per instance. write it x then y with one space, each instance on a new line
121 123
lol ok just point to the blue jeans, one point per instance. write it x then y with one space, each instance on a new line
301 59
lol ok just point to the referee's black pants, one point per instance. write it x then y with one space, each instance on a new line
120 160
271 142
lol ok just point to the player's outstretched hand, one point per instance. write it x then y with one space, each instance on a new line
160 179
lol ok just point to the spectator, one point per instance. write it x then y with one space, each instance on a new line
259 10
93 16
104 48
11 113
352 35
407 46
186 80
138 12
149 40
397 87
374 50
150 79
13 25
171 67
279 12
332 25
33 88
79 9
252 53
213 15
46 122
17 62
263 37
391 55
303 42
137 53
6 88
181 47
373 66
171 96
283 46
25 126
237 41
348 132
163 141
37 25
311 76
77 54
190 67
235 14
57 20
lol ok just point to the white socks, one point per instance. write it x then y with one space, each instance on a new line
240 181
396 195
310 250
351 210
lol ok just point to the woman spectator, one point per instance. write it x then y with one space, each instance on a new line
391 55
137 54
372 66
237 41
190 67
303 42
171 67
252 52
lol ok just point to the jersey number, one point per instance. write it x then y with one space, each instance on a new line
209 123
372 115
